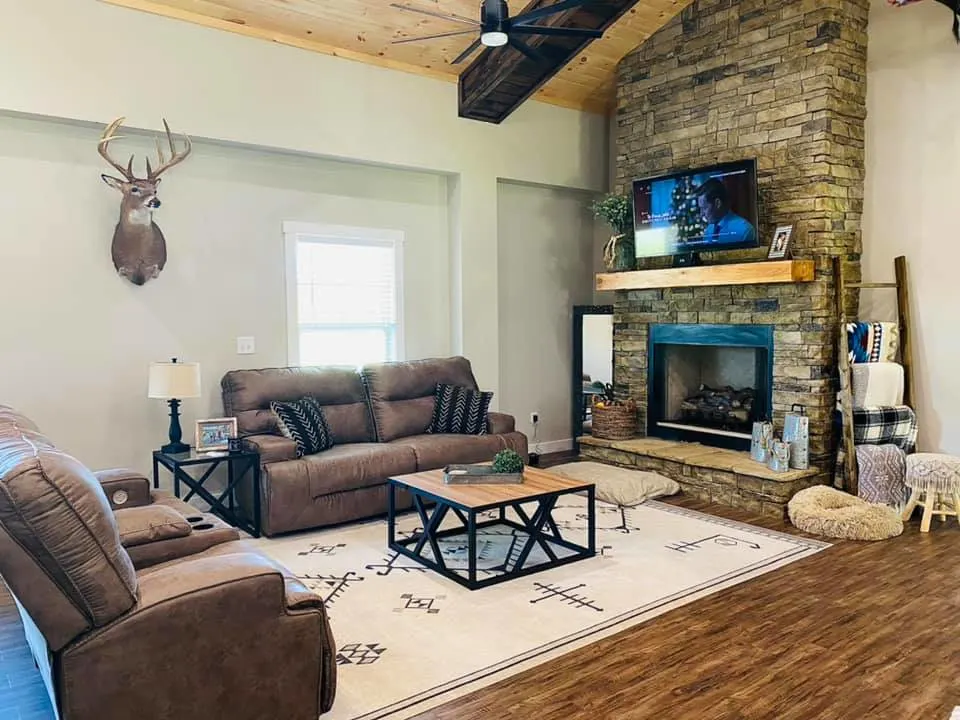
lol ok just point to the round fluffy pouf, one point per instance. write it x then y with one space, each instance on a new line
826 511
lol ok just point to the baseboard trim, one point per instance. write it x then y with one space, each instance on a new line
551 446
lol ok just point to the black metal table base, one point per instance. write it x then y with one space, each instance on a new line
223 505
537 530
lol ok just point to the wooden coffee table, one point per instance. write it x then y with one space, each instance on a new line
521 512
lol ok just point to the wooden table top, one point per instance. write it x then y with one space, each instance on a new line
536 482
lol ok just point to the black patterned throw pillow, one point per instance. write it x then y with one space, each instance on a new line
460 410
303 422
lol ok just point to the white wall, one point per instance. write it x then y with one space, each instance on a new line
87 63
546 267
913 173
78 340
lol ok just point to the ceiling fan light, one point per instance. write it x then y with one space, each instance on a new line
494 38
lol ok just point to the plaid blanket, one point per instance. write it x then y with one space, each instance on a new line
886 425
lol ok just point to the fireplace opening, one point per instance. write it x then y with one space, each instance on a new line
709 383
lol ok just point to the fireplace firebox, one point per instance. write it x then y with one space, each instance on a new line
709 383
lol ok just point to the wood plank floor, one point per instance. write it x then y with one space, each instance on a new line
859 631
22 695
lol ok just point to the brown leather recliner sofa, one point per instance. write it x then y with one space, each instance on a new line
135 605
379 418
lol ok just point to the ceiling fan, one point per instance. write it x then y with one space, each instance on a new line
497 28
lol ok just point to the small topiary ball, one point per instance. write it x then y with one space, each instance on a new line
507 461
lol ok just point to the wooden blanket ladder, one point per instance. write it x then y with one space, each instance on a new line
846 373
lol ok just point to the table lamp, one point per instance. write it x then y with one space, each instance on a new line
174 381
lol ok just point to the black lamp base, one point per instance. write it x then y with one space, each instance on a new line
175 446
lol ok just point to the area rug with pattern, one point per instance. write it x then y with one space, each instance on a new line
409 639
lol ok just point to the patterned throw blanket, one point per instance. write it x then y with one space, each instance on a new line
872 342
889 425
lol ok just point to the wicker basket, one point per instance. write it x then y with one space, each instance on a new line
614 422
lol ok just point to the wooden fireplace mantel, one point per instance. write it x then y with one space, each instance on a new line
752 273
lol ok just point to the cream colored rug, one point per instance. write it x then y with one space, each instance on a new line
409 640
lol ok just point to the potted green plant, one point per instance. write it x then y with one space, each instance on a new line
507 462
617 212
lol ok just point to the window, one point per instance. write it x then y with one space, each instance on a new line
343 295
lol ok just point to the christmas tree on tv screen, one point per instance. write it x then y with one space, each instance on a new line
686 211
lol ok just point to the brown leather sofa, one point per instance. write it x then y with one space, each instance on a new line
378 417
137 606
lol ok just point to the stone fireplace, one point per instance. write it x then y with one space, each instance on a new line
782 81
709 383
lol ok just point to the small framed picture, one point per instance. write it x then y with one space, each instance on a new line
215 434
780 245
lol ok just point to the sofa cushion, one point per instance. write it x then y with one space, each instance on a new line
303 422
150 523
437 451
348 467
402 394
460 410
247 395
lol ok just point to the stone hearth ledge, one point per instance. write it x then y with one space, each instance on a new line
722 476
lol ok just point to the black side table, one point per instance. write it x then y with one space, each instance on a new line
239 465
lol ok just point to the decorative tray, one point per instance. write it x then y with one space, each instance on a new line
478 475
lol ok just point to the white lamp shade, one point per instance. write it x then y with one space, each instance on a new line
169 381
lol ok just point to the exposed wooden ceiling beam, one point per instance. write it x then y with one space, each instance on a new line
501 79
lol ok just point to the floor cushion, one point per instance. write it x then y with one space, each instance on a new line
826 511
618 485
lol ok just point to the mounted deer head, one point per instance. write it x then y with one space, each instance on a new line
139 249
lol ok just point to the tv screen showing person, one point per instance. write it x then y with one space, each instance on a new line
705 209
723 224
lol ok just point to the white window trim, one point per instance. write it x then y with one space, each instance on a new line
294 231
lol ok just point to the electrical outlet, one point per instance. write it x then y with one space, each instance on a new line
534 418
246 346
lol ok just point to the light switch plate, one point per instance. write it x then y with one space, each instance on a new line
246 346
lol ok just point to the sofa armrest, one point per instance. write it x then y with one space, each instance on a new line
152 523
272 448
202 623
500 423
124 488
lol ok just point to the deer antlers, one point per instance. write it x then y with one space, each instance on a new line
176 157
105 140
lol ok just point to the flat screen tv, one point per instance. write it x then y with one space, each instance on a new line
688 212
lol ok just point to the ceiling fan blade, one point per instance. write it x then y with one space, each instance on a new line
434 37
453 18
534 55
549 10
466 53
558 31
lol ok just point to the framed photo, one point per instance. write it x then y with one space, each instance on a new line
215 434
780 245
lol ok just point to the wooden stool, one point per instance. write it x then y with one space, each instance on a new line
934 482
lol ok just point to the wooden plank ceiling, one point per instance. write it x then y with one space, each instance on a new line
364 30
